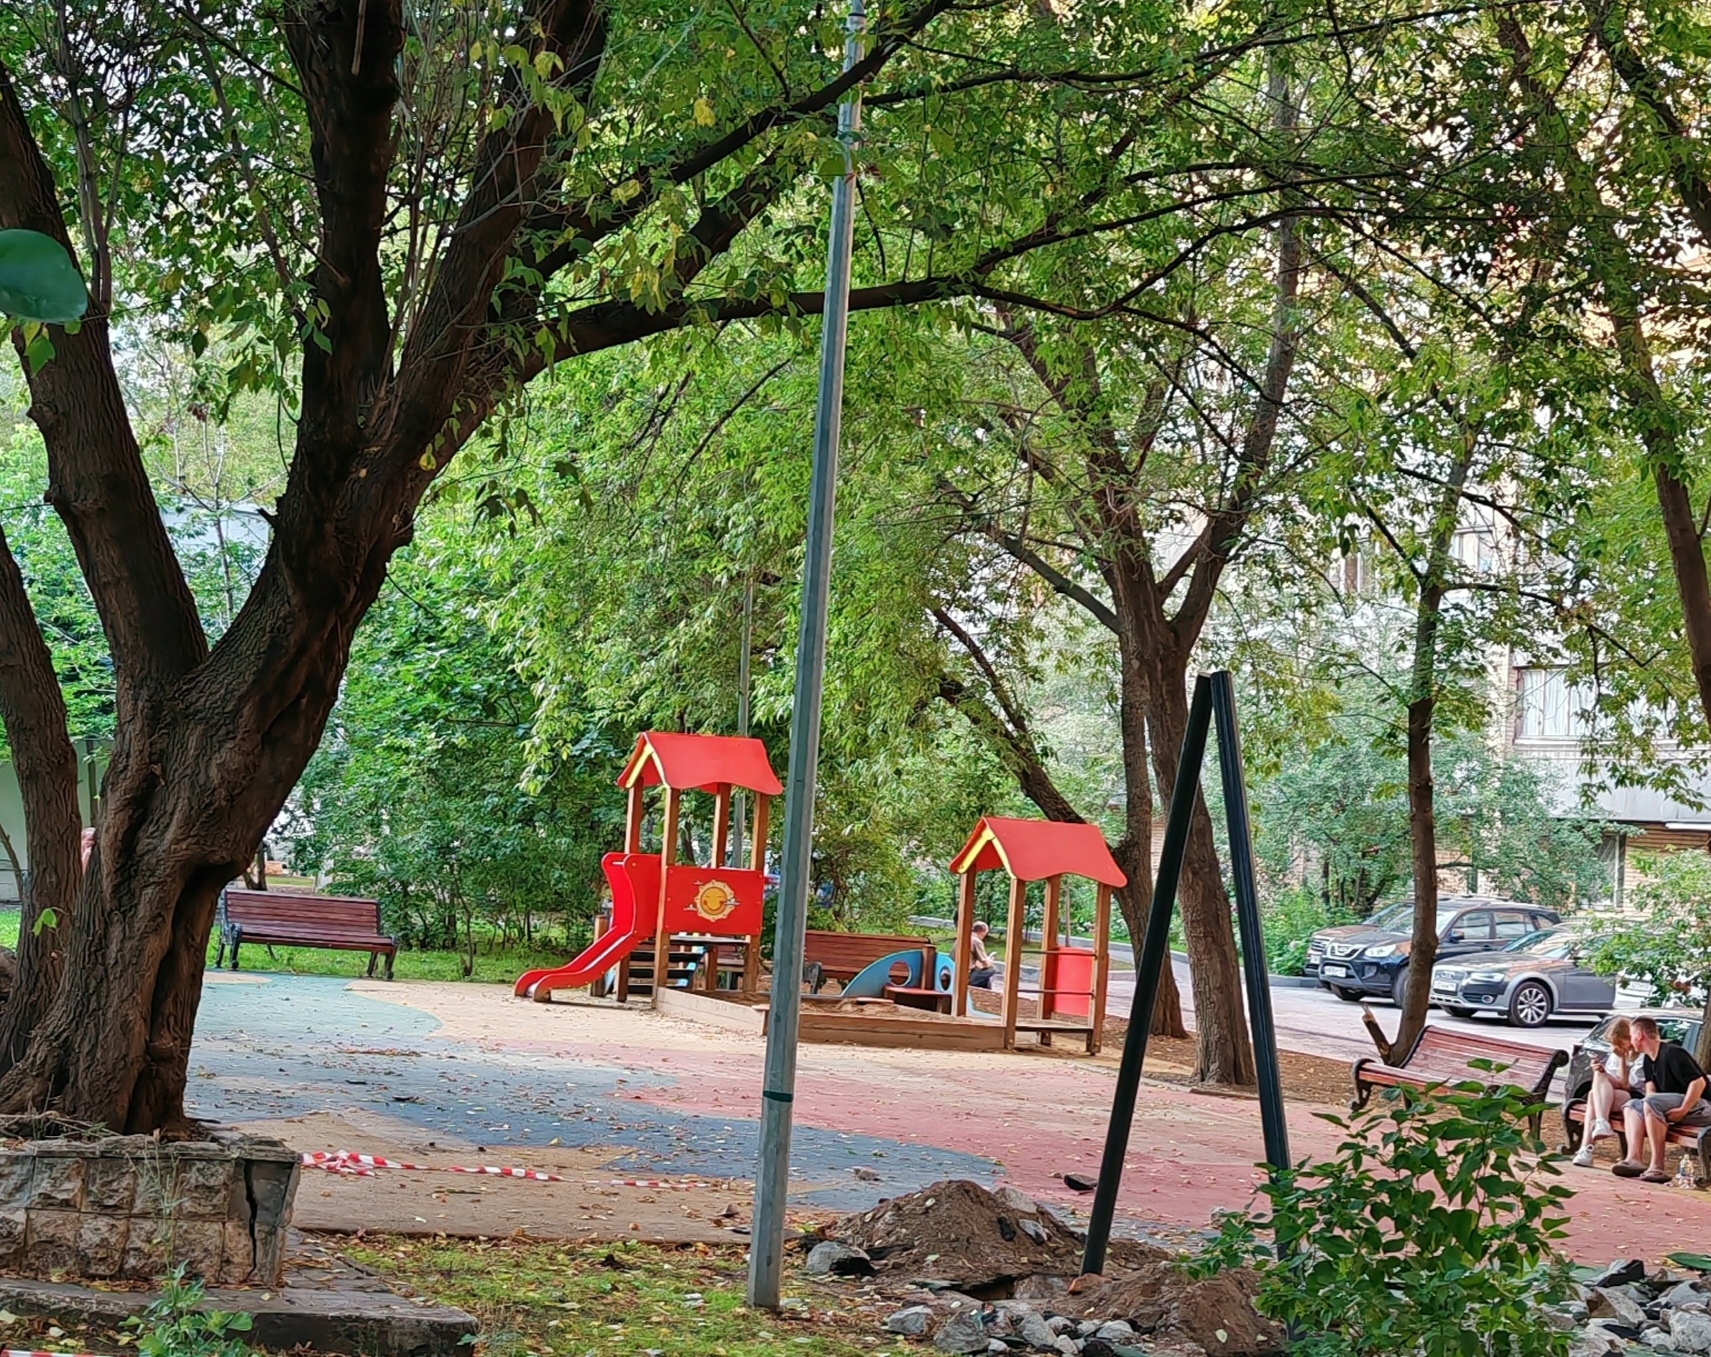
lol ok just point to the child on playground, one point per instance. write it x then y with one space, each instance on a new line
1612 1075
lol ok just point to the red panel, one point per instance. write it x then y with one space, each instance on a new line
720 900
1069 971
700 763
1032 850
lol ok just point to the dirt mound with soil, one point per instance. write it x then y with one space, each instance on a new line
958 1232
1166 1305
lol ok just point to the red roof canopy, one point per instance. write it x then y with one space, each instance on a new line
700 763
1032 850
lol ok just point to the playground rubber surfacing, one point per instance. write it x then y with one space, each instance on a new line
630 1095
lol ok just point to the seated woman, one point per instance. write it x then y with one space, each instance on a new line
1613 1079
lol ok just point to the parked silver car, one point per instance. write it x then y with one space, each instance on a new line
1527 981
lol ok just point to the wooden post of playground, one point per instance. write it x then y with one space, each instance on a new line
1101 964
634 815
1048 954
1013 958
667 856
757 862
721 823
964 947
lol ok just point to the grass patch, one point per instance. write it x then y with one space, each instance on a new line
575 1300
500 966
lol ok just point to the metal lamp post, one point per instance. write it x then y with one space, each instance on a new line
778 1085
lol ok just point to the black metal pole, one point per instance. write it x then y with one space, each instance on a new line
1155 952
1254 970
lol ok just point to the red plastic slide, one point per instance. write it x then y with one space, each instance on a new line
633 877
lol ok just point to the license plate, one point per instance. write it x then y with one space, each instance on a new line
1443 988
1331 969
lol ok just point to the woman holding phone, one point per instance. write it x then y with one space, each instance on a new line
1613 1078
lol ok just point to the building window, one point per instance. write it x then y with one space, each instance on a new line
1550 708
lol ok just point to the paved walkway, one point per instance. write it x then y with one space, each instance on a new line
674 1098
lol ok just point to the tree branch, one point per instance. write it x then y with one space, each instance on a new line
96 479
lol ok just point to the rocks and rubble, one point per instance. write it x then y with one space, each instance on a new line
1621 1309
995 1271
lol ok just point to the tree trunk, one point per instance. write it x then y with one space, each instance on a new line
1422 812
1224 1053
1135 851
32 710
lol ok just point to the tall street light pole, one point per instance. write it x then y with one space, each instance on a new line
778 1081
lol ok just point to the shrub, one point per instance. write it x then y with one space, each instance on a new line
1431 1232
175 1325
1290 921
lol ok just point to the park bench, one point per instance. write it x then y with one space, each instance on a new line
1694 1138
287 919
1441 1056
843 956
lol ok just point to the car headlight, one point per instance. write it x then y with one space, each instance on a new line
1488 977
1381 951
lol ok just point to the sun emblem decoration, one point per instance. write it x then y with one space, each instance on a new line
715 901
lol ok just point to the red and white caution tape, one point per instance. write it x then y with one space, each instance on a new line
365 1165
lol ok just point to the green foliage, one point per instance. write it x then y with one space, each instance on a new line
1290 919
1340 812
38 281
424 795
1433 1231
176 1325
1668 944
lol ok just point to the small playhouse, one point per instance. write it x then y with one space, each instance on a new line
703 921
698 926
1072 980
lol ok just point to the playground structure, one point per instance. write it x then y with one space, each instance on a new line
680 923
679 909
1072 980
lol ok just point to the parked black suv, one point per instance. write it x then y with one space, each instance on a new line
1375 962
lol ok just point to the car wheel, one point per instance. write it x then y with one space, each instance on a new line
1399 988
1529 1005
1456 1011
1348 996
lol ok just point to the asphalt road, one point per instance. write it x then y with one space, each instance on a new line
1316 1022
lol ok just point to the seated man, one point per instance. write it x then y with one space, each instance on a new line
981 966
1674 1096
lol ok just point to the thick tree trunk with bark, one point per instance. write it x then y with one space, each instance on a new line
1134 852
1224 1052
33 712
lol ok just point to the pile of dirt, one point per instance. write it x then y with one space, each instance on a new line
958 1232
1167 1306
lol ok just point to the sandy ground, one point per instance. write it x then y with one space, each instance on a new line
589 1204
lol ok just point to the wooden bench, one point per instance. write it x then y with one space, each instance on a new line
1441 1056
843 956
1694 1138
287 919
